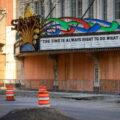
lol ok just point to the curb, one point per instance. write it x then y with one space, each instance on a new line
62 95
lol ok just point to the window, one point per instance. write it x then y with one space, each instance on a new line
76 8
79 8
117 9
73 6
62 8
105 9
39 8
91 9
42 9
51 7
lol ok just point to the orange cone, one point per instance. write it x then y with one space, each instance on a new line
9 93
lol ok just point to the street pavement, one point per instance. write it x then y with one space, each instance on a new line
81 106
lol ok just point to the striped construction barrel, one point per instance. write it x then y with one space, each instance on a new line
42 88
43 99
10 93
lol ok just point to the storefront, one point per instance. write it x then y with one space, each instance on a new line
79 55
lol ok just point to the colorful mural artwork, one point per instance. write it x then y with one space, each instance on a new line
31 28
69 25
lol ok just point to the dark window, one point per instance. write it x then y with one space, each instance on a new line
79 8
39 8
117 9
51 7
63 8
76 8
91 9
105 9
73 6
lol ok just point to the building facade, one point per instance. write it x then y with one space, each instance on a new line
2 43
80 64
7 40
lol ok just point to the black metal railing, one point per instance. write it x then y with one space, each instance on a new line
106 86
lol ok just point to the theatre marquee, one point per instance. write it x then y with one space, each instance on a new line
80 42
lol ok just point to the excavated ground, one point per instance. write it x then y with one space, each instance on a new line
36 114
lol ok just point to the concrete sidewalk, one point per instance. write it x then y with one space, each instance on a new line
68 95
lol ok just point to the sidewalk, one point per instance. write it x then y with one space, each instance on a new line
68 95
86 96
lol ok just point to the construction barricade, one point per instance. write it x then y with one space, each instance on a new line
43 97
10 93
42 88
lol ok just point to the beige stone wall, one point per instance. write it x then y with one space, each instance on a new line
14 67
2 66
2 45
9 50
2 28
10 67
20 69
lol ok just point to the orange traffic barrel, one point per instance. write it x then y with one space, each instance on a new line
43 99
42 88
9 93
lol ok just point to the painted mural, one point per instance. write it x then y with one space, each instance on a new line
32 27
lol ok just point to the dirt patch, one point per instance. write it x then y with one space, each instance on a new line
86 98
36 114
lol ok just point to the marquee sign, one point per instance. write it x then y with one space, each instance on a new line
61 25
31 28
28 30
80 42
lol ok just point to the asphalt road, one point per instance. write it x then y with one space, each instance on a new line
80 110
89 110
91 114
